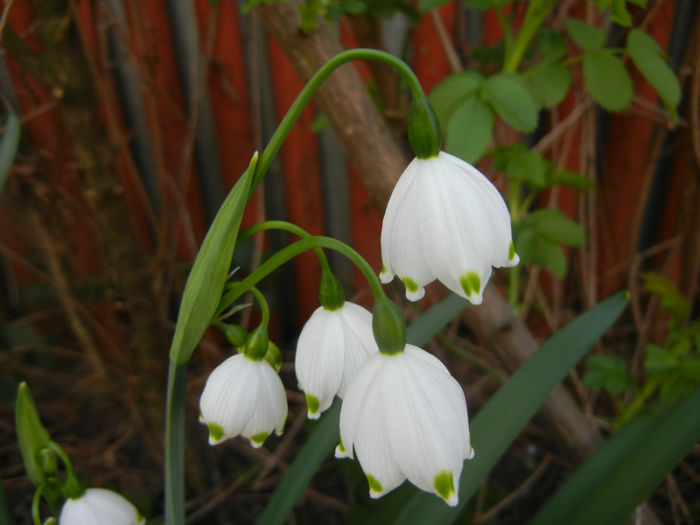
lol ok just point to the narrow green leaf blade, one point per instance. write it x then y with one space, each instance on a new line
8 146
211 266
500 421
649 58
626 468
607 80
325 435
511 100
469 130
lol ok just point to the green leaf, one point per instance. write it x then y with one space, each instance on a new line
659 359
31 434
607 488
528 166
324 436
572 179
8 146
549 82
607 80
556 226
585 35
619 13
511 100
535 249
502 419
448 94
609 372
427 5
650 59
469 130
485 5
552 44
211 266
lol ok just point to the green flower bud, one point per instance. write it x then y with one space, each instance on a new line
423 128
273 356
389 327
31 434
47 461
330 292
234 334
257 344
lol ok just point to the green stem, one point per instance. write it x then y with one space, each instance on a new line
312 86
284 226
264 308
515 205
36 500
537 11
175 445
295 249
637 403
72 487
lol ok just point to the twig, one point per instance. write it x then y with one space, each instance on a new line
523 488
447 46
5 14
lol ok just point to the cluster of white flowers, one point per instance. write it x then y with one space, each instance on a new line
403 415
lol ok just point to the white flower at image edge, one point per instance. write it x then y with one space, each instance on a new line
243 397
405 417
445 221
332 346
99 506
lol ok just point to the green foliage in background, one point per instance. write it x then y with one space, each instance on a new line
671 370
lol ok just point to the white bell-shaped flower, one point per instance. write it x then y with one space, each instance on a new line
332 346
101 506
243 397
405 417
445 221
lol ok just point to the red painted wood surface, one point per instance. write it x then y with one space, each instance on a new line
620 190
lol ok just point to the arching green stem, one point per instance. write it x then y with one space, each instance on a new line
264 308
284 226
72 487
295 249
312 86
36 500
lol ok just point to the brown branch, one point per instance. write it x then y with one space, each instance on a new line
343 98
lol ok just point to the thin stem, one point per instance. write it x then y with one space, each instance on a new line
36 500
295 249
312 86
284 226
262 302
175 445
72 487
537 11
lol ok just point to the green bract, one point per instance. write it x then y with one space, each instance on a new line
257 344
31 434
211 266
388 326
423 128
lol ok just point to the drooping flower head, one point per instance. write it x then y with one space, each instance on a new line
405 417
332 346
244 396
445 221
101 506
